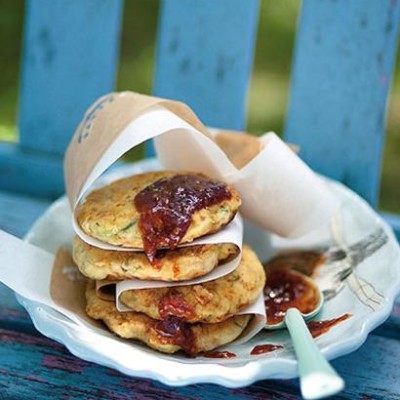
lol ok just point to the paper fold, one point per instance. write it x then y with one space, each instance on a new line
231 233
279 191
101 125
256 324
27 270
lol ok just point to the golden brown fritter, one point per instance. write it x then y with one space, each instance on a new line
181 264
167 336
110 215
208 302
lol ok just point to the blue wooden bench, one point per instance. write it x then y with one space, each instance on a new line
342 69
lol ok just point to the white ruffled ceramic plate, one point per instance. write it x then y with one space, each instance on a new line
369 303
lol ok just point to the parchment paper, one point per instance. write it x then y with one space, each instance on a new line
279 191
27 270
233 235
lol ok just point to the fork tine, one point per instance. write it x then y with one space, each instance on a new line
379 234
359 250
371 244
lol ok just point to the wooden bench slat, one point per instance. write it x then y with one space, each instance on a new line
34 364
69 59
18 213
341 76
30 173
205 56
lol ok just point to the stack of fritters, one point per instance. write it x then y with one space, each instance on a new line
157 212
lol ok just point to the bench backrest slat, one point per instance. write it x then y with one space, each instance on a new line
342 71
205 57
70 59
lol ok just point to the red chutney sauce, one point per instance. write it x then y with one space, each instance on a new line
167 205
219 354
173 303
265 348
318 328
175 330
284 289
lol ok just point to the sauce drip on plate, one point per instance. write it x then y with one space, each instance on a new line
167 205
219 354
284 289
265 348
317 328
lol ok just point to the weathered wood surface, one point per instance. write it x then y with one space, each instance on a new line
34 366
205 56
69 60
70 53
31 363
18 212
341 75
29 173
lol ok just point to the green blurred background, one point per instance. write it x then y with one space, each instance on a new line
269 87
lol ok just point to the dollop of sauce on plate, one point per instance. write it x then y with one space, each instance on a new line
286 288
166 208
219 354
265 348
318 328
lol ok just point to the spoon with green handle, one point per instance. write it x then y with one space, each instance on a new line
291 298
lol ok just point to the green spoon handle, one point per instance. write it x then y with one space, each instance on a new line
317 378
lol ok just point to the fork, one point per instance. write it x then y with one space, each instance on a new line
359 251
333 281
366 247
